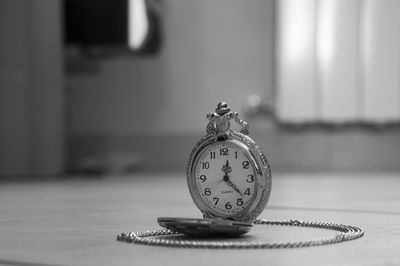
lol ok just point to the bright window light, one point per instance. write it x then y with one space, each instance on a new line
298 28
326 31
138 24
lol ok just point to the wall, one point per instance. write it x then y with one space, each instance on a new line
212 51
149 112
31 88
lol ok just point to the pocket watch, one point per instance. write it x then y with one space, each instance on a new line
229 179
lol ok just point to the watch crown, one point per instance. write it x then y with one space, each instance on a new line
220 121
222 108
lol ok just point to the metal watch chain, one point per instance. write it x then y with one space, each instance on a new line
154 238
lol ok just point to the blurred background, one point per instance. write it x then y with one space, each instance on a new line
106 87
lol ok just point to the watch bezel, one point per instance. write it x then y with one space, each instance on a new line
258 162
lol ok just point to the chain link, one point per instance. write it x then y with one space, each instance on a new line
154 238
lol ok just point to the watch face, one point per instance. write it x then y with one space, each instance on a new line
225 178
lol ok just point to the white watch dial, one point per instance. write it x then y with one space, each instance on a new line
225 178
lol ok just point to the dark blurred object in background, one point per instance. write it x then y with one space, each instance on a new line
133 25
96 22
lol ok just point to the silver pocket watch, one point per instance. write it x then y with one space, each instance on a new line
229 179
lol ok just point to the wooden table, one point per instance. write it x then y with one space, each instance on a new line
75 221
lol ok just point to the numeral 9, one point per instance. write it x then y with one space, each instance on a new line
203 178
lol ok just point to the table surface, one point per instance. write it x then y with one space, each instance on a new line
75 221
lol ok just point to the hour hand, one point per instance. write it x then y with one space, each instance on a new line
226 168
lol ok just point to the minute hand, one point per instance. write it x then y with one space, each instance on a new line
229 182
